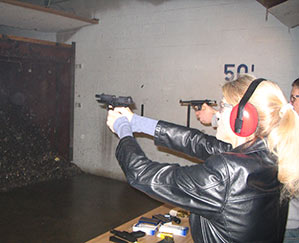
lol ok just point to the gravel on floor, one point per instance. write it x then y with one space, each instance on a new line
26 155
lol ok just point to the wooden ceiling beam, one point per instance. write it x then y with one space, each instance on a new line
270 3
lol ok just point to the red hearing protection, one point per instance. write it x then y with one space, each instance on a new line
244 116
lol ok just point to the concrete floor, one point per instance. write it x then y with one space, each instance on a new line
69 210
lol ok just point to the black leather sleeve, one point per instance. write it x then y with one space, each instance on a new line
188 141
200 188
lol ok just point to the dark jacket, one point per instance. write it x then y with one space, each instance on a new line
232 196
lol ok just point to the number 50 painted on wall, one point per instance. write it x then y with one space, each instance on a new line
230 68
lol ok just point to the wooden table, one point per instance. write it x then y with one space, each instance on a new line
164 209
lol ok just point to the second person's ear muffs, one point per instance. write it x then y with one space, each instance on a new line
244 116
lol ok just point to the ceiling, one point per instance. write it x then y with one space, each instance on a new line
286 11
43 15
29 16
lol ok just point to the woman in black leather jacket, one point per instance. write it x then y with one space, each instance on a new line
235 196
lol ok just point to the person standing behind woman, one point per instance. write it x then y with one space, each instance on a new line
294 97
235 196
206 115
292 228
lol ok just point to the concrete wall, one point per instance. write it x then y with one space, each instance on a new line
162 51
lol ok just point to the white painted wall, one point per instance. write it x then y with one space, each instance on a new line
162 51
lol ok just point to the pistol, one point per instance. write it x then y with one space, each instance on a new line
131 237
112 100
197 104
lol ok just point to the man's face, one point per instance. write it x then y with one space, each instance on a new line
295 100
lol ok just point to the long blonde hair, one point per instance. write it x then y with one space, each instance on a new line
278 123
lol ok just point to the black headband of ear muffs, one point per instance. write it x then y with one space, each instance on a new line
243 101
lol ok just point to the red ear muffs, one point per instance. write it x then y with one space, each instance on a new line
249 121
244 116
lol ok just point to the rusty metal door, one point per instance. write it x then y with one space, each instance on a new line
36 88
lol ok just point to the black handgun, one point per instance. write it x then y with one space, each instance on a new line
131 237
112 100
198 103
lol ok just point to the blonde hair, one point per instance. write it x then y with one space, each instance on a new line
277 122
